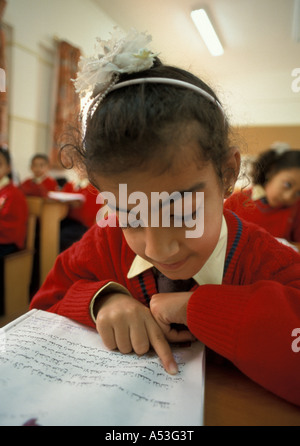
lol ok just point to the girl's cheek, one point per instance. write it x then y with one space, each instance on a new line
135 239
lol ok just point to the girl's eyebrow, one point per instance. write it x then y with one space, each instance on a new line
195 188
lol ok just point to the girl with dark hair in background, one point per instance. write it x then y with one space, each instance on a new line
273 200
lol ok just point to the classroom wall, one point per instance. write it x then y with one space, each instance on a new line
33 27
255 139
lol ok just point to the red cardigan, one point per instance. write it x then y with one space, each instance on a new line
280 222
248 319
29 187
13 216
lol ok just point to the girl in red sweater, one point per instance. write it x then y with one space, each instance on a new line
154 129
13 216
273 200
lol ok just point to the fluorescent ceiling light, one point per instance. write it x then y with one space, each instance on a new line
296 21
208 34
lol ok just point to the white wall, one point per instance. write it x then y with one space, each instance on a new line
35 25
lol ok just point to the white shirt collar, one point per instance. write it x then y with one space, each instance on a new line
81 184
4 181
258 192
211 272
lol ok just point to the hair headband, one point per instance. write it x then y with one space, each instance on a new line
169 81
99 74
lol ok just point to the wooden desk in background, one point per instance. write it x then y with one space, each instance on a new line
49 213
232 399
52 213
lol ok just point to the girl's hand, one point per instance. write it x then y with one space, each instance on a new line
126 324
170 312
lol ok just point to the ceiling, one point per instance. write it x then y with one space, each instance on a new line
253 78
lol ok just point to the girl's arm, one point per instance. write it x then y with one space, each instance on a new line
76 277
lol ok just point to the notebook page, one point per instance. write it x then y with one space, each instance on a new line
54 371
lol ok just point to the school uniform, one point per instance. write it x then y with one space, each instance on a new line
251 204
39 187
244 306
13 214
13 224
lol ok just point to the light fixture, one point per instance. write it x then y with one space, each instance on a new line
208 34
296 21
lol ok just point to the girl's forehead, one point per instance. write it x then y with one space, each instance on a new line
185 179
293 172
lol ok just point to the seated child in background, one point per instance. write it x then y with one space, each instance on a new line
13 216
153 129
82 214
273 200
41 183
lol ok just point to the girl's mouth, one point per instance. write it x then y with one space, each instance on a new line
171 266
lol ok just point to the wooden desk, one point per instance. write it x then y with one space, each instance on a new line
49 213
232 399
52 212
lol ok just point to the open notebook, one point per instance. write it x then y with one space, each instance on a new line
54 371
66 196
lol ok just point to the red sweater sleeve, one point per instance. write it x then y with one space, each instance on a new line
73 281
81 271
13 216
250 321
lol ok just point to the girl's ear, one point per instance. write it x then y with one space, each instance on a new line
231 170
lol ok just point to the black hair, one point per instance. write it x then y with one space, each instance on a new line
5 153
135 126
42 156
271 162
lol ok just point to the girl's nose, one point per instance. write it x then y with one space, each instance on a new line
160 244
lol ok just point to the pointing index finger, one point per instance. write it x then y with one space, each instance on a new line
164 352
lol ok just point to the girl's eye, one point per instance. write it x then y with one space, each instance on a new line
287 185
184 218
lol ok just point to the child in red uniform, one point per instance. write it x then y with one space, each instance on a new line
154 128
82 214
13 216
273 200
41 183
